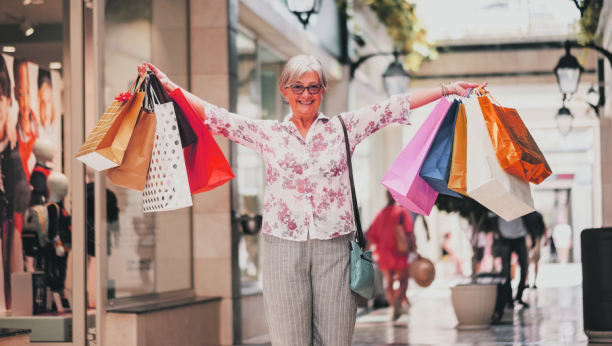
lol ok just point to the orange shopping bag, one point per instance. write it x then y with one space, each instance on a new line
516 151
207 168
458 174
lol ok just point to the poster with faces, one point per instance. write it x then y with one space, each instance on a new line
35 111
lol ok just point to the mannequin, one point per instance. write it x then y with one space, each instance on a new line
44 152
60 234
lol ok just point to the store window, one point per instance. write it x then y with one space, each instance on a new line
148 252
35 261
258 98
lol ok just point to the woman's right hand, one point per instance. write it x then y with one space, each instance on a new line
163 79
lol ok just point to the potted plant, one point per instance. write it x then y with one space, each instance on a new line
474 303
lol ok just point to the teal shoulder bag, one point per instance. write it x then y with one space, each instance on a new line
362 270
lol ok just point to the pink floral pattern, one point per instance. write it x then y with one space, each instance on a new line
307 183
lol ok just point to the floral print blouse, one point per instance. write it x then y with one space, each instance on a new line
307 181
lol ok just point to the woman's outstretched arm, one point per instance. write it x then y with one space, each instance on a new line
420 98
245 131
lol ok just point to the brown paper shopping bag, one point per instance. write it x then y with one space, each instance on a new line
106 145
132 173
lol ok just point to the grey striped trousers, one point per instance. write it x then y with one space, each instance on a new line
307 293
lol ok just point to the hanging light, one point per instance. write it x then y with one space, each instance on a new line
396 78
26 27
568 72
592 97
564 120
303 9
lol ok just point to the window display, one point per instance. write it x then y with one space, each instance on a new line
30 142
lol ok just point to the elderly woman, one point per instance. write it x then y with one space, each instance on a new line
308 218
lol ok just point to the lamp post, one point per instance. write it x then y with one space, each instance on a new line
593 99
564 120
303 9
568 72
395 78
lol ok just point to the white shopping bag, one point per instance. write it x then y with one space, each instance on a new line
167 186
504 194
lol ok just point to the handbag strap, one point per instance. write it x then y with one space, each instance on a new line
359 238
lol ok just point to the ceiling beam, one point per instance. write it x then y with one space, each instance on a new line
498 47
492 75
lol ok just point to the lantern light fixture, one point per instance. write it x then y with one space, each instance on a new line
568 72
564 119
395 78
304 9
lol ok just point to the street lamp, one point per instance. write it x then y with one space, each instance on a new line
395 77
568 72
303 9
593 100
564 120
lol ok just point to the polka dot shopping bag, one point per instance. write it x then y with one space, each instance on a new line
167 186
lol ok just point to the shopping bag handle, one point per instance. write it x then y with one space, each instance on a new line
485 93
466 92
136 85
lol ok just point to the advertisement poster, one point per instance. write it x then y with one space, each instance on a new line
30 109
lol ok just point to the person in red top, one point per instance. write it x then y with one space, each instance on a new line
391 258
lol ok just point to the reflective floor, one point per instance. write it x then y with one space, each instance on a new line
554 317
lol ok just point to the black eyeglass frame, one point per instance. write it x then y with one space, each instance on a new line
319 86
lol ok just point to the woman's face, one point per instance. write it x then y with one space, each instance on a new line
45 99
305 104
22 90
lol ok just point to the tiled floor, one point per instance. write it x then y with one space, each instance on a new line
554 318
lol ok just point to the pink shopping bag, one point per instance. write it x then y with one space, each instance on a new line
402 179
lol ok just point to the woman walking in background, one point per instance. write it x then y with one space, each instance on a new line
392 236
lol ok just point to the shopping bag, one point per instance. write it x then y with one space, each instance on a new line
187 134
501 192
457 180
167 185
402 179
106 145
516 150
207 168
437 164
132 173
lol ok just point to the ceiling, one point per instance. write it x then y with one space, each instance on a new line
50 11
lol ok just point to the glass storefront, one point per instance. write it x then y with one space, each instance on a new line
258 98
48 286
35 210
148 253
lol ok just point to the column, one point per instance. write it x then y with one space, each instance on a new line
213 78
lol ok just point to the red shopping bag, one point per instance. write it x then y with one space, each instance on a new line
207 168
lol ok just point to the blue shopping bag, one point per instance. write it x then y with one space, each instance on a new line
437 165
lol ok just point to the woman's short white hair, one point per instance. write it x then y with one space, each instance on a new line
297 66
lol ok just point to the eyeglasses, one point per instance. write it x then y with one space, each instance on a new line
299 89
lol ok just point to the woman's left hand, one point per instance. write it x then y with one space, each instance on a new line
458 88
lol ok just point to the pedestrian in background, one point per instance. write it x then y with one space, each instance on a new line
534 222
512 240
392 236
